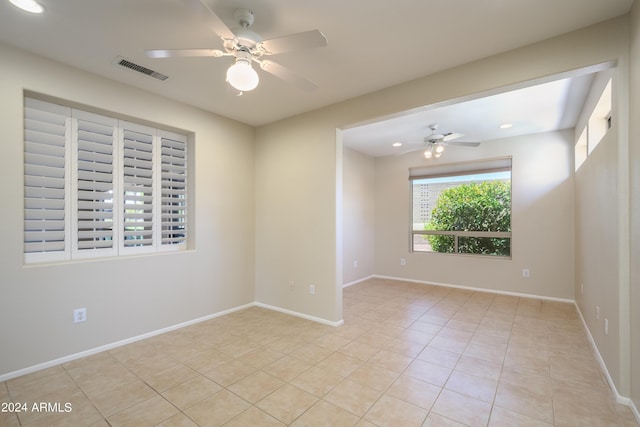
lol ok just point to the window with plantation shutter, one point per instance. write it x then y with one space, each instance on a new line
94 169
95 186
174 189
46 129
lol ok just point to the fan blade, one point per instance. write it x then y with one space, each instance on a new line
418 146
204 11
451 136
410 151
304 40
463 143
287 75
182 53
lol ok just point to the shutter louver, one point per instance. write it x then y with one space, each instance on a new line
95 184
138 189
174 190
45 134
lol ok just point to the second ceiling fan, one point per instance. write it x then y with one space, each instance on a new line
435 143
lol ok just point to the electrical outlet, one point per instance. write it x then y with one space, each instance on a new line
292 285
312 289
79 315
597 312
403 261
582 288
355 263
526 273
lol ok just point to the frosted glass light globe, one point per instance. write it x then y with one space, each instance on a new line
28 5
242 76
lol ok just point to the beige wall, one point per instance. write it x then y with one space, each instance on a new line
358 216
295 218
598 201
542 220
634 138
124 297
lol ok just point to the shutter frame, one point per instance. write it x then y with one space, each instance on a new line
137 224
173 189
46 222
94 172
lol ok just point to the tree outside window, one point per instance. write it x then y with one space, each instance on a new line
464 210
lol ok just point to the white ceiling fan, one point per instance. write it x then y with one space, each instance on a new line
247 47
435 143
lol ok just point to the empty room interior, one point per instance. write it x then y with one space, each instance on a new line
224 212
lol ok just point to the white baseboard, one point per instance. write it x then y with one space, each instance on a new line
92 351
355 282
619 398
471 288
634 410
302 315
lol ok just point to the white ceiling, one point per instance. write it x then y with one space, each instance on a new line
373 44
542 107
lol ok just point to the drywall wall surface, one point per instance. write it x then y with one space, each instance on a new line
358 216
602 228
295 218
126 296
634 165
597 247
541 220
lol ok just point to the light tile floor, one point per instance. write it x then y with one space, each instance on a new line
407 355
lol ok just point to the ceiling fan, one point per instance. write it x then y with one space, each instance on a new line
435 143
247 47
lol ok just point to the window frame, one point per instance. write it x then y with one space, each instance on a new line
480 166
598 123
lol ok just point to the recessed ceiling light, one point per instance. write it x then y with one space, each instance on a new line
506 126
397 144
31 6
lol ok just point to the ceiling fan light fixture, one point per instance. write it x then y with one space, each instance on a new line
434 149
242 76
31 6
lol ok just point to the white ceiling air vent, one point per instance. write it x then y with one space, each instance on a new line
139 68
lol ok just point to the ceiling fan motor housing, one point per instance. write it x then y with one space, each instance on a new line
246 37
244 17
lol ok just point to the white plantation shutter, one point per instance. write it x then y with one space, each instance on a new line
46 129
95 186
137 191
173 189
94 159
